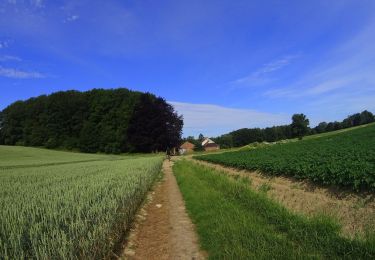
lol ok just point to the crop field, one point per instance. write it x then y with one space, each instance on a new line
345 159
73 206
18 156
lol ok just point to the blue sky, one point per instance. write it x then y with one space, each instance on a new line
223 64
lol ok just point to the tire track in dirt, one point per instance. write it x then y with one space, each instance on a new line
163 229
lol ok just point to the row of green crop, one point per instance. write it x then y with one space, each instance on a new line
346 159
72 210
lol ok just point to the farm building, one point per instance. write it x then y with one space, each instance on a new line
187 147
209 145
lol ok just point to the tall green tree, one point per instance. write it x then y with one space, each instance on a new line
154 126
366 117
321 127
300 125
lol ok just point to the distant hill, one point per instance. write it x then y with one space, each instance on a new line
110 121
245 136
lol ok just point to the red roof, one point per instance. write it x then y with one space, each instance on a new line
187 145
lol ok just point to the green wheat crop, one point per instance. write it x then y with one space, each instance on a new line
70 210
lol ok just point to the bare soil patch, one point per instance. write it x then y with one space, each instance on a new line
163 229
355 212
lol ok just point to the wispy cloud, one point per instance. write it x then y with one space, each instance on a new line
327 86
346 69
20 74
4 44
262 74
34 3
9 58
276 65
37 3
313 90
338 105
214 120
71 18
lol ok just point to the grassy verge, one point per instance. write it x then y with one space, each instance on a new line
234 222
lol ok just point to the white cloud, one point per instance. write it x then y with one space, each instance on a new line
339 105
313 90
277 64
34 3
327 86
71 18
9 58
19 74
261 75
4 44
348 68
37 3
214 120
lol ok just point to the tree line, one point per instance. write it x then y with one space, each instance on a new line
99 120
297 129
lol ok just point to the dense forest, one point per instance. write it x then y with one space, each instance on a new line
110 121
246 136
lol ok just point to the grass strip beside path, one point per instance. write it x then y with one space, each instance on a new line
234 222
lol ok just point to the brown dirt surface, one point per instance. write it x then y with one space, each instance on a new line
355 212
163 229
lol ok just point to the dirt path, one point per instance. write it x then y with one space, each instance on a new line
163 230
356 213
